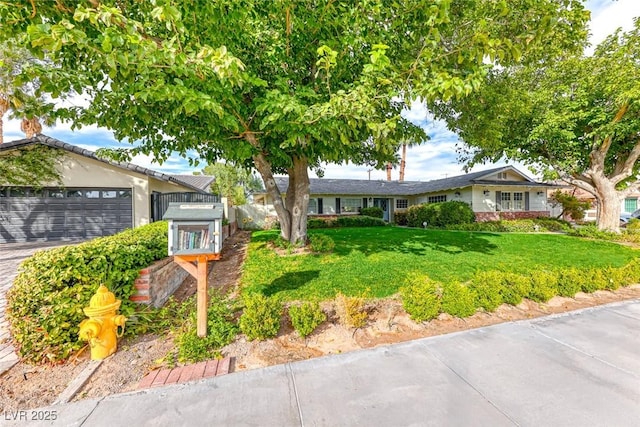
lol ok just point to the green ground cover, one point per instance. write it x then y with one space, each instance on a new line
379 259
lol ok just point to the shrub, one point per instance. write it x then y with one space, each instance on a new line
373 211
570 282
457 300
221 330
455 212
633 225
553 224
46 301
351 310
615 277
421 298
321 243
261 316
417 215
631 272
306 318
514 288
443 214
486 286
320 223
544 286
359 221
400 218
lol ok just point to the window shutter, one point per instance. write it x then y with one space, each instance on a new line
337 204
526 201
364 202
320 205
498 200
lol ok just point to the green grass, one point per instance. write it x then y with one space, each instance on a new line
378 259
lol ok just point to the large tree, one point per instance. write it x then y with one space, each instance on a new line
279 85
577 119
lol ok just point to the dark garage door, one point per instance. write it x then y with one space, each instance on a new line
28 214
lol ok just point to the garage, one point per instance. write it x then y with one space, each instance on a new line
30 214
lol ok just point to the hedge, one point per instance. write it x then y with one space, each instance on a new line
53 286
440 214
424 299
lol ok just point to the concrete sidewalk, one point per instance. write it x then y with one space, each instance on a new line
575 369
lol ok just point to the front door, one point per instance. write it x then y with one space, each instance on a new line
384 205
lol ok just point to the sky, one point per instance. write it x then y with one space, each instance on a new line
435 159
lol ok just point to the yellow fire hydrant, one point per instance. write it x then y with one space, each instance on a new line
101 328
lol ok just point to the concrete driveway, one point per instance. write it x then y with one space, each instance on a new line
575 369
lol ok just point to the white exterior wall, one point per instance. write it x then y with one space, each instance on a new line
482 203
465 195
81 171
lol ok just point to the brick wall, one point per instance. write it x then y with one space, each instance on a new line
158 282
497 216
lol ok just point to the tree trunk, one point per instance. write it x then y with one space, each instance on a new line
292 214
403 162
608 218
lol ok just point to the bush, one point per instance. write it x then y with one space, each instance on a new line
321 243
514 288
261 316
351 310
443 214
359 221
221 330
486 285
633 225
373 211
570 282
421 298
400 218
457 300
515 226
615 278
455 212
544 286
553 224
306 317
46 301
320 223
631 272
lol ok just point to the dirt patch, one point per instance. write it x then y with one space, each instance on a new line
25 386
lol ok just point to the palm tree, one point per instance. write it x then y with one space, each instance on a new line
403 162
31 127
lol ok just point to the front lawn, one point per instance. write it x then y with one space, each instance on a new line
378 259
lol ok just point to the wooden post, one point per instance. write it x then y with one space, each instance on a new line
199 271
203 300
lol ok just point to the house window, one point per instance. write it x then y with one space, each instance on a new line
630 205
512 201
502 175
313 206
350 205
402 203
437 199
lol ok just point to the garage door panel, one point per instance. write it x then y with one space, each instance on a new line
34 218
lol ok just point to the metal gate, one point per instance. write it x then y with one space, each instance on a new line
160 201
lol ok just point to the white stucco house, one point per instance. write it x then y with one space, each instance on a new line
496 193
97 197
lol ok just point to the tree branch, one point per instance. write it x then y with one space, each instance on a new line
627 167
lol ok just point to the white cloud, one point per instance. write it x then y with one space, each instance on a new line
608 15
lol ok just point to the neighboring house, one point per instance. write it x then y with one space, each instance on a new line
502 192
627 205
98 197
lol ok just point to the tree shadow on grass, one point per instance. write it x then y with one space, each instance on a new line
290 281
419 244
